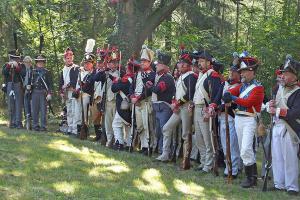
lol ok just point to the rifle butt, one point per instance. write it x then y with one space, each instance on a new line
83 132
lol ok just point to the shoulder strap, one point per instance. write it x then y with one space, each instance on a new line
247 91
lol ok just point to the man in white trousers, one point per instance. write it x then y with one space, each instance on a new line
286 130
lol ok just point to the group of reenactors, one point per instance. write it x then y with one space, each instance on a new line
147 107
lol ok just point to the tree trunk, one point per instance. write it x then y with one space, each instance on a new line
237 23
136 20
168 36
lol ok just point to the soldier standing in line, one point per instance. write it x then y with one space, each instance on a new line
12 72
67 85
249 98
41 86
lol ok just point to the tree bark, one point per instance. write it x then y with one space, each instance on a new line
168 36
136 20
237 23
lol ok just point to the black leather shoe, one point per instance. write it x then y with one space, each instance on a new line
143 150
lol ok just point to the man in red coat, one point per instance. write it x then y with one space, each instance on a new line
249 97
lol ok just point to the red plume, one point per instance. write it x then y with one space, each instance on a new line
181 47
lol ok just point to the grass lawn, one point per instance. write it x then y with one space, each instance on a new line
52 166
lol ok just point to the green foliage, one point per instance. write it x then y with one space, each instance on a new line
267 29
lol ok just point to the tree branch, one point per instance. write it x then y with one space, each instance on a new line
157 17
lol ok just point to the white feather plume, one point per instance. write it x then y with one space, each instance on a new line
90 45
144 46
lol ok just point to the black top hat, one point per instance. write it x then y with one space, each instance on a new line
163 58
14 54
205 55
218 67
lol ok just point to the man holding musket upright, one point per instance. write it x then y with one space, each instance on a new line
233 81
206 91
140 96
108 99
286 131
185 89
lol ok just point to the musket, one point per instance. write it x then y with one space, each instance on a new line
12 69
103 101
49 102
120 63
228 150
133 122
12 92
213 136
147 123
28 97
132 130
175 146
189 137
268 155
84 128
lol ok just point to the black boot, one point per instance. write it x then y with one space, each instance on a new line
143 150
255 171
97 132
250 176
118 147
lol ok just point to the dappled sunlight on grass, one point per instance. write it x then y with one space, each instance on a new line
96 171
1 172
63 145
22 138
188 188
103 164
17 173
2 134
151 182
65 187
117 168
21 157
9 193
50 165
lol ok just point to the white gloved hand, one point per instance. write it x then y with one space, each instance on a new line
48 97
28 87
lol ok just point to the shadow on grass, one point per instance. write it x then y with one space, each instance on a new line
51 166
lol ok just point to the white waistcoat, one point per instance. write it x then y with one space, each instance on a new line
139 84
200 92
181 89
110 96
282 97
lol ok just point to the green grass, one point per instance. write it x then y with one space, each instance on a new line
52 166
